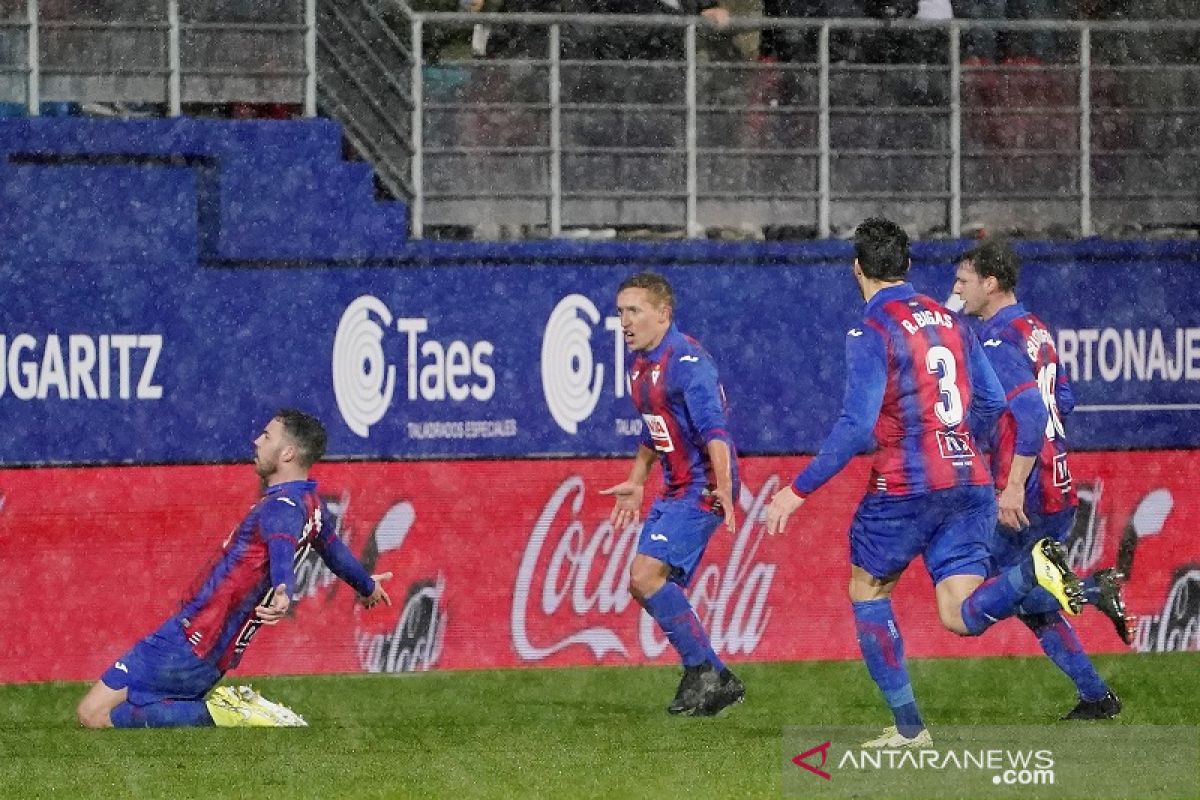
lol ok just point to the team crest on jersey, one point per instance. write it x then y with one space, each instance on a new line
953 445
660 434
654 373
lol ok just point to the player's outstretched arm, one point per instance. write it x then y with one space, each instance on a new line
341 562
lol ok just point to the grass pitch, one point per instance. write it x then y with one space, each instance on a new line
564 733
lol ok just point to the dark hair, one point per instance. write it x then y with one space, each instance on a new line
881 247
306 431
994 258
652 282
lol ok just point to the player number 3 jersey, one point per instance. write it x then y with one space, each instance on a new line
923 433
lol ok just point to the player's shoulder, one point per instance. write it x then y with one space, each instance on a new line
294 499
1015 332
688 351
869 329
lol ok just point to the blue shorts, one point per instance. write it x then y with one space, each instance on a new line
1009 546
951 528
676 532
162 667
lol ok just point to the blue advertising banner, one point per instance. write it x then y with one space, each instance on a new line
166 284
165 362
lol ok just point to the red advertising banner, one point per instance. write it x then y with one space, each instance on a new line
502 564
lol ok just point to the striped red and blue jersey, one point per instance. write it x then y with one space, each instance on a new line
676 389
1021 349
919 390
261 553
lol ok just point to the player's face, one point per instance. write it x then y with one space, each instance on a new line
971 288
267 447
643 323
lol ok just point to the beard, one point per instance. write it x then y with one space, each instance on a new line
265 466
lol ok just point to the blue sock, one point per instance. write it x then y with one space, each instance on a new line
1062 645
883 651
997 598
1039 601
678 620
1091 589
164 714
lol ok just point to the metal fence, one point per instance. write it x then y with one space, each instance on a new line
162 53
1100 135
499 124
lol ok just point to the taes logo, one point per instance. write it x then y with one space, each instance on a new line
571 379
364 381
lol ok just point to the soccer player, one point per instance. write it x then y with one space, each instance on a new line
162 681
674 385
919 387
1029 462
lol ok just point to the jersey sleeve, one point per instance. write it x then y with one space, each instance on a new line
341 561
1022 394
866 382
1064 396
987 394
281 523
703 399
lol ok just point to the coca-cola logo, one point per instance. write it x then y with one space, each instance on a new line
572 584
415 643
1177 626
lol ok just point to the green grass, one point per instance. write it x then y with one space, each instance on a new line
571 733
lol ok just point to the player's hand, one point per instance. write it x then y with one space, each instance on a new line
1012 508
783 505
275 609
725 498
380 594
628 506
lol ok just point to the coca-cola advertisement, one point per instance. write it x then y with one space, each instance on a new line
515 563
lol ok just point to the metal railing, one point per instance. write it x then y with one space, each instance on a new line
1084 143
1098 136
168 58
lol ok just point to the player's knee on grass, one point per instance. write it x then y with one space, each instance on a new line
93 714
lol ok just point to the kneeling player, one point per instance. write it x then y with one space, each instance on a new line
164 679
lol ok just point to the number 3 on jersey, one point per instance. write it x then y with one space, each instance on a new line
940 361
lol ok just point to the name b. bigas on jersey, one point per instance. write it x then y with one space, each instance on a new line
923 318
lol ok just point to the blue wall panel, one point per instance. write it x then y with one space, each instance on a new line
147 316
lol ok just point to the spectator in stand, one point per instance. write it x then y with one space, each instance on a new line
993 45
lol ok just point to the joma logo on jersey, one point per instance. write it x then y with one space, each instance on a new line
955 445
659 434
